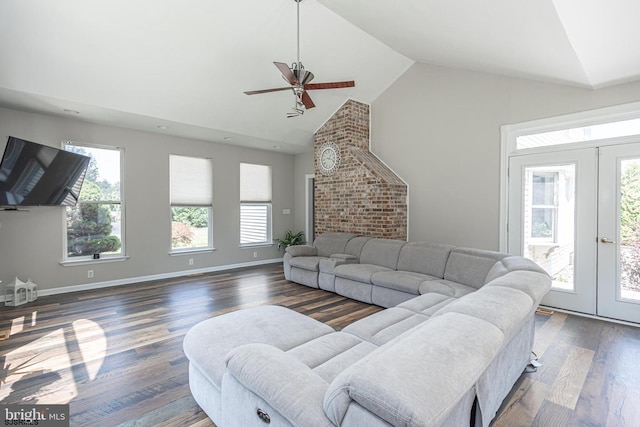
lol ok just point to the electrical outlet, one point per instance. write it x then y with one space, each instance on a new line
190 261
90 274
255 254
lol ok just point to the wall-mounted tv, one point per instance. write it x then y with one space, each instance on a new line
33 174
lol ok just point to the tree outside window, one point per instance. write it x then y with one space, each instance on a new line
94 225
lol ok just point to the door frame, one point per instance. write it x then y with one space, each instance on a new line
309 232
508 148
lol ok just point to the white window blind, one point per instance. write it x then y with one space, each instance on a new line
255 183
255 204
191 181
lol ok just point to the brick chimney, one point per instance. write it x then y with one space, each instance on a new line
361 195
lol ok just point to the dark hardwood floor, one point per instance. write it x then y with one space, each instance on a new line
115 354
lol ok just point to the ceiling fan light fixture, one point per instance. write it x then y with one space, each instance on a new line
306 77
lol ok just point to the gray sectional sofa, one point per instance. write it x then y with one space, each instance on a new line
456 335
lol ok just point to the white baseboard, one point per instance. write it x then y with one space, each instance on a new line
129 280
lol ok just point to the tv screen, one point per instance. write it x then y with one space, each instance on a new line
32 174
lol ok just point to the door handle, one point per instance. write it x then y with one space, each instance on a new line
605 240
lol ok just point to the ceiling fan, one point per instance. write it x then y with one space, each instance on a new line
299 80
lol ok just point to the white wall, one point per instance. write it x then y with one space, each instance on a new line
31 242
439 129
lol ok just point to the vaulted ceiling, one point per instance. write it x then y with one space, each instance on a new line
181 68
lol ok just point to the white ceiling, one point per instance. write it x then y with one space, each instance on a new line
184 65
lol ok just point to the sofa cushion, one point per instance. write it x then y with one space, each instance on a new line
207 343
427 304
355 245
512 263
330 354
532 283
382 252
505 308
445 287
471 266
402 389
405 281
358 272
425 258
383 326
310 263
332 243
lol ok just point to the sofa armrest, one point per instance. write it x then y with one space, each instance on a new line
302 250
285 383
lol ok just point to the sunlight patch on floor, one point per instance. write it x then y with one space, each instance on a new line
54 363
93 345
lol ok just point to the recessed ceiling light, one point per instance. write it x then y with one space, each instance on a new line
277 147
67 110
227 138
162 127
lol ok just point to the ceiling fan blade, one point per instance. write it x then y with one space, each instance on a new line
306 100
331 85
256 92
286 72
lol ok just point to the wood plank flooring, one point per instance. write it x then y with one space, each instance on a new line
115 354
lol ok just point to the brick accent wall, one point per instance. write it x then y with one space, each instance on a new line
363 195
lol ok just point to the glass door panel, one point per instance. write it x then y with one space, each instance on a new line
549 220
552 220
629 225
619 233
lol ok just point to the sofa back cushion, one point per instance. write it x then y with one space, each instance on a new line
355 245
418 378
425 258
382 252
471 266
332 243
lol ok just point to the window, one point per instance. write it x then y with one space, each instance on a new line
191 203
255 204
579 134
95 225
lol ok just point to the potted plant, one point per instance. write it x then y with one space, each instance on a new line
290 239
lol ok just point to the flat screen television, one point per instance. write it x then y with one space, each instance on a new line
33 174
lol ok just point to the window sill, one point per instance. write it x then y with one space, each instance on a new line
71 263
191 251
256 245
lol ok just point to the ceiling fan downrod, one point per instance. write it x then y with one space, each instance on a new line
298 71
298 31
297 68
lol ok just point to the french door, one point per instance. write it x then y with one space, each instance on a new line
577 214
619 232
